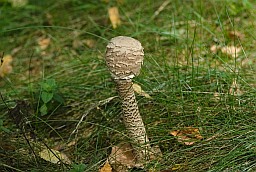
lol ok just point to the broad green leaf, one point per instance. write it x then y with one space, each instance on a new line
43 109
46 96
78 168
48 85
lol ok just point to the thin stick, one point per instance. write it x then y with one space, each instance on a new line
160 9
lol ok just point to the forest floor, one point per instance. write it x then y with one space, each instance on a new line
199 76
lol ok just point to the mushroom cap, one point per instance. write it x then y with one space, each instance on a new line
124 57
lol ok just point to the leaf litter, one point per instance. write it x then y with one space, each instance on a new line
6 66
54 156
122 158
114 17
43 43
187 135
230 51
137 89
106 168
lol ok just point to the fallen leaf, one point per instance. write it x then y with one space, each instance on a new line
5 67
137 89
236 34
106 167
235 88
187 136
114 17
43 43
50 155
231 50
122 158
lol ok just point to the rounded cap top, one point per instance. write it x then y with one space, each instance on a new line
124 57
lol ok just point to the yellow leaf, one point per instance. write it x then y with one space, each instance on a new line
187 136
50 156
114 17
137 89
106 167
44 43
5 67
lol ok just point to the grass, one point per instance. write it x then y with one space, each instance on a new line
191 86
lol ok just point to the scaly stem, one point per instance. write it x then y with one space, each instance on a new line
132 119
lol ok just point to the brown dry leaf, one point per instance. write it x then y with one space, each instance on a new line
44 43
106 167
6 67
188 135
50 156
236 34
231 50
137 89
235 89
114 17
122 158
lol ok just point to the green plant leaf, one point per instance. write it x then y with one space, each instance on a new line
51 82
49 85
58 98
78 168
43 109
46 96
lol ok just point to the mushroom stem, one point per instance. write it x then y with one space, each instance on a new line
132 118
124 57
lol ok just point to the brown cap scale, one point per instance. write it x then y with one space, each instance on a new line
124 58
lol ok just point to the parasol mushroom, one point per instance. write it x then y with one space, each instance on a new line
124 58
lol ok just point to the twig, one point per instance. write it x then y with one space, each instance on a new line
160 9
100 103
